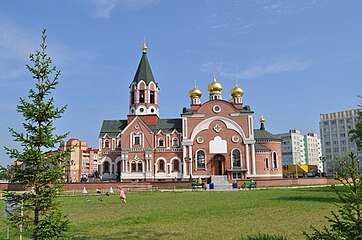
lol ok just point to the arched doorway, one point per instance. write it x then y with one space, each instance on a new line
218 164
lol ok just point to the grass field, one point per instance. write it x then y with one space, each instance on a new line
197 215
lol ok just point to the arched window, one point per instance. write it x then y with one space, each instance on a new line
106 167
176 165
160 142
174 142
132 97
137 139
161 166
140 166
152 96
142 96
106 144
236 158
275 160
266 163
133 167
200 159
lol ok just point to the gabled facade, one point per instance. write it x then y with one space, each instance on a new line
214 138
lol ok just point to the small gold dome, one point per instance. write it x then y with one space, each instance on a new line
231 100
144 48
195 92
236 91
262 119
214 86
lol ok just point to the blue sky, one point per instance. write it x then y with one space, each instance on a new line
294 59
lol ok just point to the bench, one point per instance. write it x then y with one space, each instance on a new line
197 186
249 185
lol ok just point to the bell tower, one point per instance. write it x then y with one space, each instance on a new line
144 90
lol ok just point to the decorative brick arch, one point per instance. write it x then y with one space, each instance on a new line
230 124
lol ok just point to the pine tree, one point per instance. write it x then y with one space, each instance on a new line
347 223
42 169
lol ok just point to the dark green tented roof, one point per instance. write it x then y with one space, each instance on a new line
167 125
144 71
112 127
265 135
261 148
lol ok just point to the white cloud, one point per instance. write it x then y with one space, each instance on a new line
17 42
290 65
104 8
230 70
284 7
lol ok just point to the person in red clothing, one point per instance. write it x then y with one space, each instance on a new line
122 195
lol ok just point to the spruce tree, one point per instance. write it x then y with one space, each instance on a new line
347 223
356 134
42 168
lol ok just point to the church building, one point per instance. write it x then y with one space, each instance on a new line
215 138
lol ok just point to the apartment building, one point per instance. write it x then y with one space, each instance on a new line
82 161
301 149
334 128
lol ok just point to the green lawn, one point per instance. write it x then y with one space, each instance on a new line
197 215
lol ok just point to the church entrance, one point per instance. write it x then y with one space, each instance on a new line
218 162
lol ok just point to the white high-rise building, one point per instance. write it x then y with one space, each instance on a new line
300 149
334 129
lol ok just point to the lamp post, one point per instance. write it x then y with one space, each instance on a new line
323 159
190 167
296 170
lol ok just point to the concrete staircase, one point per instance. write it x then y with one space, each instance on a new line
221 183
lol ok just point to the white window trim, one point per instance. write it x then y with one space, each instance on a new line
232 160
196 159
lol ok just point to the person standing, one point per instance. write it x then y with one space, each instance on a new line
122 195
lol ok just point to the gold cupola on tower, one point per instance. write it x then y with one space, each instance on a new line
144 47
195 92
237 91
261 119
214 86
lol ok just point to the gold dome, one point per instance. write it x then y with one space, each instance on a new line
262 119
231 100
195 92
144 48
236 91
214 86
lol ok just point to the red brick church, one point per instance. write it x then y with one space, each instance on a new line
209 139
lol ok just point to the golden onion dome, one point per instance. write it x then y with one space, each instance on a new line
195 92
236 91
231 100
262 119
214 86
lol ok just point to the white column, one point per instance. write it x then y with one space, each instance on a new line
190 158
122 162
247 158
253 158
183 161
146 163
